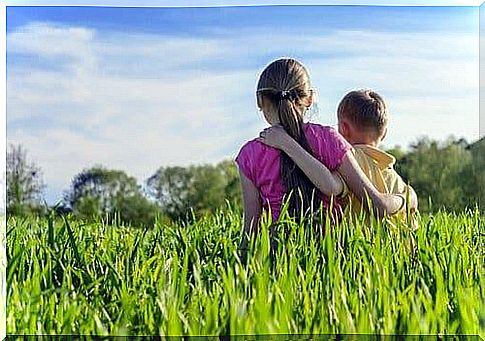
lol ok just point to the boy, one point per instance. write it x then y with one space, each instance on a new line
362 119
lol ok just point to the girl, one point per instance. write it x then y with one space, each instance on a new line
267 175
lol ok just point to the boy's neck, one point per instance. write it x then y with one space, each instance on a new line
360 136
368 142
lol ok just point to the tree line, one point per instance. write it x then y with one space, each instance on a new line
447 174
171 193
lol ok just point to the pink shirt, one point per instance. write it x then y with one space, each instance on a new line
261 164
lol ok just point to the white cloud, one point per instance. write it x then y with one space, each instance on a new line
430 81
47 40
135 124
433 98
140 101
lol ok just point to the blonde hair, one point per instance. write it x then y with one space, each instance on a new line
285 84
366 109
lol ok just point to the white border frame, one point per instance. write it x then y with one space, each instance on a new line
170 3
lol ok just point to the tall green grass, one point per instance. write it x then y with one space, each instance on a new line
69 277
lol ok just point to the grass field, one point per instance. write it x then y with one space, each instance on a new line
68 277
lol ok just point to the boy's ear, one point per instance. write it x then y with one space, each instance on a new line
345 128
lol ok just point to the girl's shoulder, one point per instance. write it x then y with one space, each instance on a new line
255 149
327 144
318 129
253 146
318 133
251 157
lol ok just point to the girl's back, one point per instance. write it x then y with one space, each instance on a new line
261 163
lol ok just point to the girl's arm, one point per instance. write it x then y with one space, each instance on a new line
400 187
327 182
361 186
252 210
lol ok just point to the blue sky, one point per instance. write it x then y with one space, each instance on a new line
206 21
211 3
140 88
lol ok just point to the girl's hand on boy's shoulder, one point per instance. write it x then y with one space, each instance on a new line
275 136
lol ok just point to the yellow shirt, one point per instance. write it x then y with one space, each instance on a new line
379 168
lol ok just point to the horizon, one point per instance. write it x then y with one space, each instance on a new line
118 103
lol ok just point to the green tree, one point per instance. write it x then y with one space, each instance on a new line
170 187
102 192
202 188
436 171
232 189
25 184
474 175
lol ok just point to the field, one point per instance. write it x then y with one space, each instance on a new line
70 277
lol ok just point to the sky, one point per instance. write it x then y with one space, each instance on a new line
211 3
140 88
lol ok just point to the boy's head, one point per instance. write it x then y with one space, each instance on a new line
363 117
